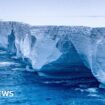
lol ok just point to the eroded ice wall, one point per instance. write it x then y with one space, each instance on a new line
5 30
98 52
20 31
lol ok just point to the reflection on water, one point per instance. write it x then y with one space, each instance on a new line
30 89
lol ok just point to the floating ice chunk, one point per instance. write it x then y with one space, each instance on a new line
91 90
94 95
7 63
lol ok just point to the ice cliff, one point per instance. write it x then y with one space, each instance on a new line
57 48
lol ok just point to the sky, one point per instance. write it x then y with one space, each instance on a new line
54 12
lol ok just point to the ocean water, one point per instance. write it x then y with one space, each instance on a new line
30 89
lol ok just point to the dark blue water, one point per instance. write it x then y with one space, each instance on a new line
30 89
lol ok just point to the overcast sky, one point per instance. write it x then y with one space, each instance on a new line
54 12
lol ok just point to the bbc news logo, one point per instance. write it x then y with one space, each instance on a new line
6 93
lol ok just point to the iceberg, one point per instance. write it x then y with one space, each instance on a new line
57 50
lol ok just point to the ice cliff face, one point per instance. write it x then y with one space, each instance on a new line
57 48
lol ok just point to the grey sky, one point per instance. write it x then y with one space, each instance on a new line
54 12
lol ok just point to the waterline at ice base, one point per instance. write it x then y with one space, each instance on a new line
75 53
